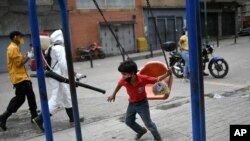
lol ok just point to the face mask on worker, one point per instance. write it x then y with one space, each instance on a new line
128 79
21 41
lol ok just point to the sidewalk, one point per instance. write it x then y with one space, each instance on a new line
173 121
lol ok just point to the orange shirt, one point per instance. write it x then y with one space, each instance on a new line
17 72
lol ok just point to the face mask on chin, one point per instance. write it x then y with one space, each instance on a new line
21 41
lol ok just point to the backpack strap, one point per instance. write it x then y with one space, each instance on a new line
48 59
55 64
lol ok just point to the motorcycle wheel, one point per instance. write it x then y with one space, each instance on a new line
83 57
177 69
218 68
101 55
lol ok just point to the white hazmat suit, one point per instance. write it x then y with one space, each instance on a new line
60 93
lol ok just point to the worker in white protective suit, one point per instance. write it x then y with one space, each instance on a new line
60 92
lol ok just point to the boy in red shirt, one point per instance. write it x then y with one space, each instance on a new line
138 103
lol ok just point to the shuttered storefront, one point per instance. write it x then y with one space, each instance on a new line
170 23
125 34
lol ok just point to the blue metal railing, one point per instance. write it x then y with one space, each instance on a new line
65 25
196 75
40 69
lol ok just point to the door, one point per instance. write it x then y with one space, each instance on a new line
179 28
124 33
170 29
152 36
228 23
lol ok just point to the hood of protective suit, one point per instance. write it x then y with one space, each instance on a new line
57 37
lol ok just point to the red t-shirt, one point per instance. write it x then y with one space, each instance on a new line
137 92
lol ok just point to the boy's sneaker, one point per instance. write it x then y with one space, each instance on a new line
139 135
37 121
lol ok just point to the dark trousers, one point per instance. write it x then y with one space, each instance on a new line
141 108
23 89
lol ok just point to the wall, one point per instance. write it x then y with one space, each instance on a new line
85 23
14 15
166 3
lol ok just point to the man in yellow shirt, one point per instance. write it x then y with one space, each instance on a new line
19 78
183 43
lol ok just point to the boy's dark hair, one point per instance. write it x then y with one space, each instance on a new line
128 66
15 33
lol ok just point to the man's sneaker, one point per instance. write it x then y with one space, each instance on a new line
38 122
139 135
3 126
157 140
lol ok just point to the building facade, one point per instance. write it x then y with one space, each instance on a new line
87 25
14 16
169 16
244 14
128 19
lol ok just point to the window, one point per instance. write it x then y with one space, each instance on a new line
105 4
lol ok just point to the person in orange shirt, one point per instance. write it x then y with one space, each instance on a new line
19 78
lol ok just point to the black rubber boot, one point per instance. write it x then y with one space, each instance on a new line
69 112
3 119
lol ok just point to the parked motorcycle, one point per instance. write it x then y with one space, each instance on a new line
92 52
217 66
176 63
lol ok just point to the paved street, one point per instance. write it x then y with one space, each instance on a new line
226 101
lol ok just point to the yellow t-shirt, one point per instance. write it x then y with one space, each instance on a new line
17 72
184 42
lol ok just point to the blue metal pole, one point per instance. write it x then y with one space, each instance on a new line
40 69
196 75
65 24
